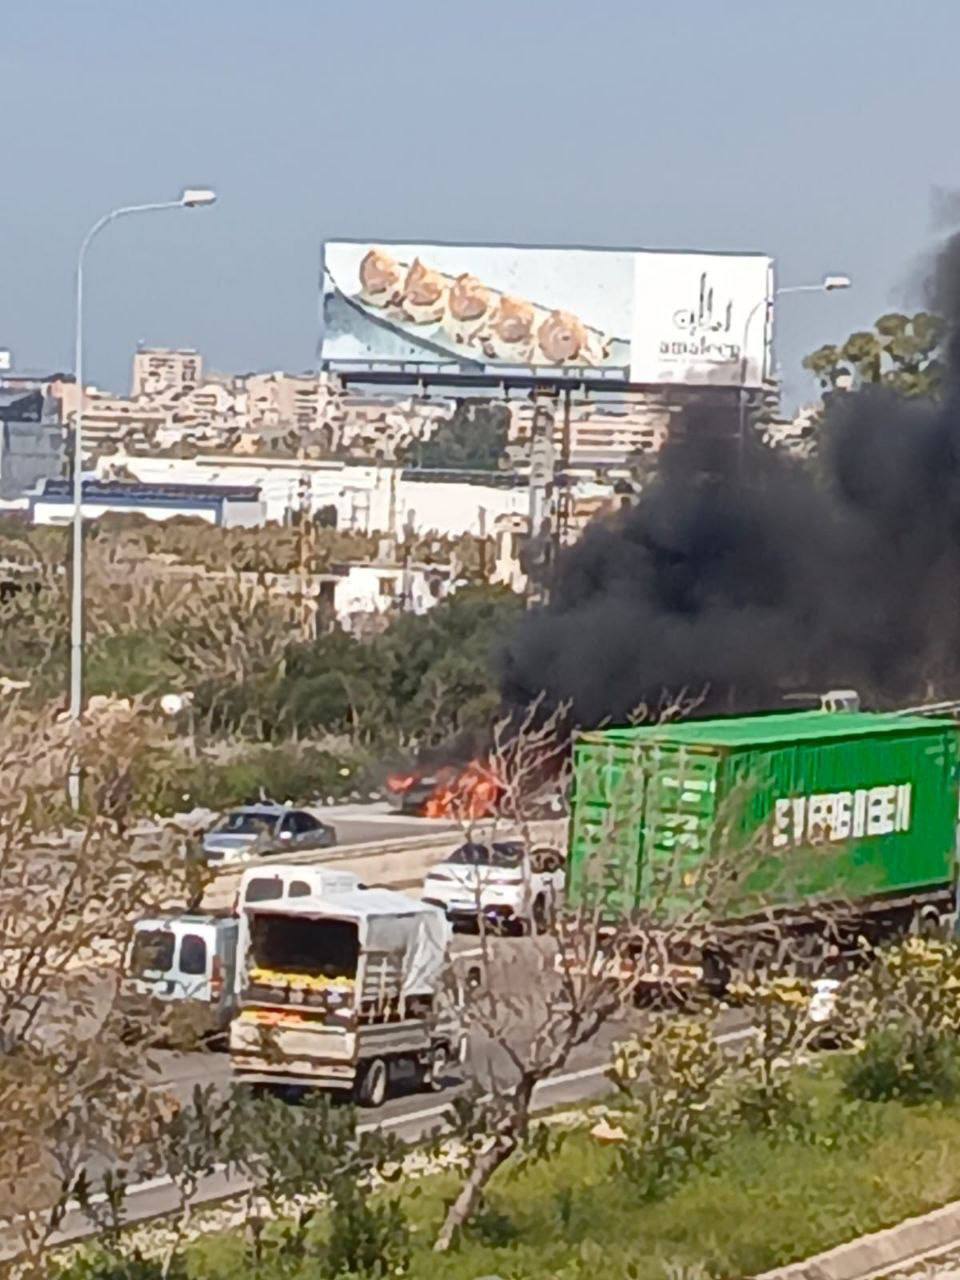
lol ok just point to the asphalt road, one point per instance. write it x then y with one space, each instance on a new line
368 823
412 1115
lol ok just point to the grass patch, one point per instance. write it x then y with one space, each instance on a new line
765 1200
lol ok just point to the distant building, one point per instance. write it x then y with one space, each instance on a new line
368 498
158 369
32 443
357 594
222 505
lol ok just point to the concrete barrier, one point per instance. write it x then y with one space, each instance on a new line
882 1252
393 864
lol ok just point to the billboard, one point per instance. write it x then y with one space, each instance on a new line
640 315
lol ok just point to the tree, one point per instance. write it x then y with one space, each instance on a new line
440 665
75 1066
521 1033
474 438
901 352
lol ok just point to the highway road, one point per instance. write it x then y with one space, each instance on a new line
368 823
412 1115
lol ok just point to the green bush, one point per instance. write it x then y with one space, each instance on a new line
905 1063
677 1115
106 1264
773 1106
169 782
368 1236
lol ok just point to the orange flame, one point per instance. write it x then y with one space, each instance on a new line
471 792
399 782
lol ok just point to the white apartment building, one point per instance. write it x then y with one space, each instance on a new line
157 370
368 498
359 590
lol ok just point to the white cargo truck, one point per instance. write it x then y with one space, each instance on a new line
342 992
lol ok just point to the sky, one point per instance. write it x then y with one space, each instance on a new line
822 133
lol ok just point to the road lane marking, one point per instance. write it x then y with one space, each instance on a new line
411 1117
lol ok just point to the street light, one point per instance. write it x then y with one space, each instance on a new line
190 198
827 285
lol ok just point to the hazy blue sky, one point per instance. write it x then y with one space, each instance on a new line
815 131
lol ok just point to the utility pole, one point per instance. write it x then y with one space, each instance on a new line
564 498
542 480
306 560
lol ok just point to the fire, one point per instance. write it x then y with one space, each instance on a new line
471 792
467 792
400 782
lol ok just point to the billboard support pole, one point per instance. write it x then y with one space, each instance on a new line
563 496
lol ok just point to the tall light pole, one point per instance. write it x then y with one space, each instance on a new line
191 198
827 285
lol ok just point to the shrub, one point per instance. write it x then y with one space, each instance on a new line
106 1264
677 1118
168 782
368 1237
907 1063
916 982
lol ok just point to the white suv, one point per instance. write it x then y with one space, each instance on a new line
502 882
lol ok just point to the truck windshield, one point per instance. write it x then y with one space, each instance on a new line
291 944
152 951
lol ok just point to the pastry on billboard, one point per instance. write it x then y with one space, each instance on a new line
469 299
468 304
511 332
424 293
380 277
561 337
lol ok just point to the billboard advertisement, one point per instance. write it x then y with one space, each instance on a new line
639 315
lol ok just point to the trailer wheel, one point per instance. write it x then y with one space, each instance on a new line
927 923
715 974
374 1080
436 1068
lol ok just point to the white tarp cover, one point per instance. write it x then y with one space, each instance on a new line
387 922
422 940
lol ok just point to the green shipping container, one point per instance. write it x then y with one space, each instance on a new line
735 815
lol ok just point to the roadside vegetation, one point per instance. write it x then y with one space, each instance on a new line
272 710
708 1161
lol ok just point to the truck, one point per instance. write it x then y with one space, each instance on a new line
342 992
762 827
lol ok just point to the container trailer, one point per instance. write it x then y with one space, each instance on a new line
766 825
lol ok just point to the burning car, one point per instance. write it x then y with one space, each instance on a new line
451 791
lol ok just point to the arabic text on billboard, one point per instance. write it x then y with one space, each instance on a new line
651 317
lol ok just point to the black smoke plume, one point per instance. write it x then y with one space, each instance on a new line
778 580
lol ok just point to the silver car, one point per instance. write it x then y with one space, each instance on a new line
260 830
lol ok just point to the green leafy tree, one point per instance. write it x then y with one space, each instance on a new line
901 352
439 665
474 439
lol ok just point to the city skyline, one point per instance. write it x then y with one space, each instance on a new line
617 156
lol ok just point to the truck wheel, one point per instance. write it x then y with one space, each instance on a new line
715 974
541 915
434 1076
927 923
372 1088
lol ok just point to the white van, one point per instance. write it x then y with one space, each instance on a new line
189 957
279 881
